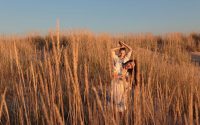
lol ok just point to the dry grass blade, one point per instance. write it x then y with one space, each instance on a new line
2 101
58 115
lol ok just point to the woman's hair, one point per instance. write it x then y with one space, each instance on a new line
122 48
130 71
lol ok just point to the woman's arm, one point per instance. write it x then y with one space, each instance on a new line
113 52
116 48
124 72
124 44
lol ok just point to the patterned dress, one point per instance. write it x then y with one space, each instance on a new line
119 91
119 86
117 63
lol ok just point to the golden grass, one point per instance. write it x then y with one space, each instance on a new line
64 78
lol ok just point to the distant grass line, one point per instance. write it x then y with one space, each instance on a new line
64 78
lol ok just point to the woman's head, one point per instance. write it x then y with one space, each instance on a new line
129 64
122 52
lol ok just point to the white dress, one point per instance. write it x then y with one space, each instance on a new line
119 87
119 91
117 62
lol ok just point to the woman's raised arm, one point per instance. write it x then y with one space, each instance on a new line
127 46
113 51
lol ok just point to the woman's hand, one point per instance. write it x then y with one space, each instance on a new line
125 45
124 71
121 44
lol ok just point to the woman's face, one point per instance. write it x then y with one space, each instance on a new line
122 53
129 65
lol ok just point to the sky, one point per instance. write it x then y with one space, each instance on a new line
112 16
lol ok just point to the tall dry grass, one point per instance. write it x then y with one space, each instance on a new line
64 78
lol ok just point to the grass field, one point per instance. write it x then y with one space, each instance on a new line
64 78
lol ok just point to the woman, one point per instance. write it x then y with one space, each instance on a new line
120 86
120 58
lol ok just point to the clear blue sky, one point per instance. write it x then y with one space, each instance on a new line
156 16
